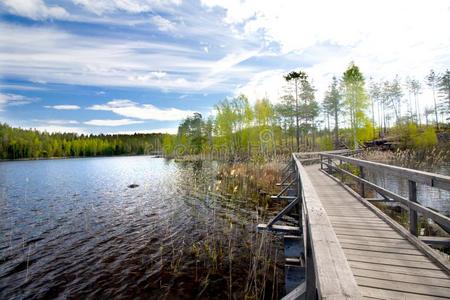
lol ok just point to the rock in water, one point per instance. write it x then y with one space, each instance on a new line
134 185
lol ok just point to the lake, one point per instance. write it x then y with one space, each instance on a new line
431 197
74 229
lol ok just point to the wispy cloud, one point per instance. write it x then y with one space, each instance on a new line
63 107
35 9
120 122
59 56
101 7
163 24
131 109
59 122
13 99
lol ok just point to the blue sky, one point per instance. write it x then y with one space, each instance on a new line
117 66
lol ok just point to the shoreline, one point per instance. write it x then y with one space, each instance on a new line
77 157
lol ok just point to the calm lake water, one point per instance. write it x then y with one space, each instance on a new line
431 197
73 229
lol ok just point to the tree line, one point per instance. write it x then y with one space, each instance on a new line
17 143
353 110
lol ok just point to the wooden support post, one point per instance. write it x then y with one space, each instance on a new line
362 175
340 167
321 160
412 212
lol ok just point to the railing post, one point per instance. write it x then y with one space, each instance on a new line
342 173
362 175
321 161
412 213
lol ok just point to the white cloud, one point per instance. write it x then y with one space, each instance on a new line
130 109
101 7
163 24
13 100
120 122
267 84
61 122
34 9
63 107
21 87
61 57
383 37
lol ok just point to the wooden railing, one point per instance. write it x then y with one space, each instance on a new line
413 177
327 272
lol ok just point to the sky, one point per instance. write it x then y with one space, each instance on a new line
125 66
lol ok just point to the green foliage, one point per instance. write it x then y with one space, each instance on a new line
413 137
355 99
19 143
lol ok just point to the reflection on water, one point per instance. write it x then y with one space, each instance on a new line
73 229
428 196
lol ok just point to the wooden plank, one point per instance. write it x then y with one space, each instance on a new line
375 254
296 293
415 279
283 197
369 233
390 295
363 227
388 243
382 249
436 240
393 262
280 228
398 269
284 211
404 287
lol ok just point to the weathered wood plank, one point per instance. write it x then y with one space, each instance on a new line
280 228
398 269
375 254
436 240
419 289
369 233
393 262
395 277
400 244
382 249
296 293
390 295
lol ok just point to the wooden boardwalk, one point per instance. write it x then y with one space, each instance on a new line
384 263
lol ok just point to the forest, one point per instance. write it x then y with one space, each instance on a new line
353 111
19 143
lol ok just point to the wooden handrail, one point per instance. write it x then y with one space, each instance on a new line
427 178
413 177
333 276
